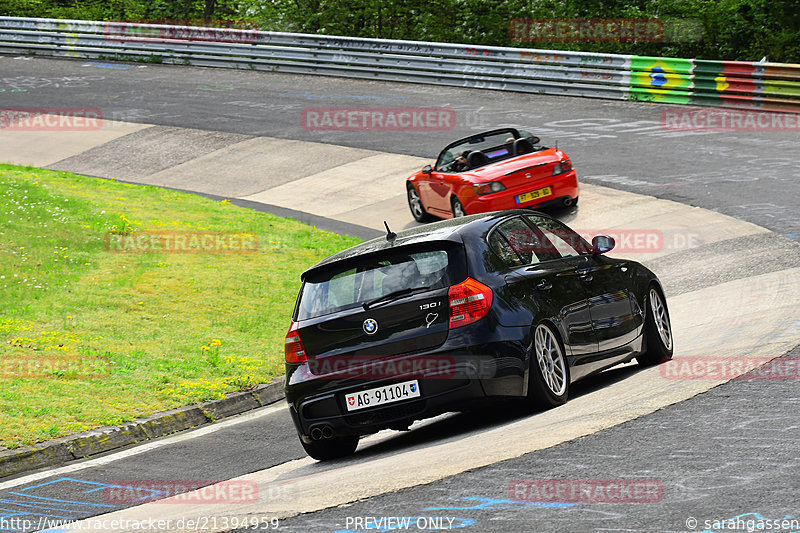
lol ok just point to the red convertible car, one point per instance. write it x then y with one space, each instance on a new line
492 171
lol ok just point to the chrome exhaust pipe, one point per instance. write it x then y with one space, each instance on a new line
316 433
567 201
327 432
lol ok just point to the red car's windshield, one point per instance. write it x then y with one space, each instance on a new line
497 146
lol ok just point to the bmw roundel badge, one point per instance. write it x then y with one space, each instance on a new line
370 326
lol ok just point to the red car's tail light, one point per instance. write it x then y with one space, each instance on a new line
562 167
293 347
470 301
488 188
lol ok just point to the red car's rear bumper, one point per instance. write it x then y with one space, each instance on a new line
560 186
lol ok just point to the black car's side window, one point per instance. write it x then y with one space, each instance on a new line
518 244
563 240
499 245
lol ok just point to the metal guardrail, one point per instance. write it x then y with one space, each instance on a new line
730 84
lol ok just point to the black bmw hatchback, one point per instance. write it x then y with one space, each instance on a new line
435 318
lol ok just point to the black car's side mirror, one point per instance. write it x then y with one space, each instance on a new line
602 244
427 169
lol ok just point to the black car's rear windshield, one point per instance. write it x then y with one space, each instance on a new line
357 281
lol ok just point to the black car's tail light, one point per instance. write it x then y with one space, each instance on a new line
488 188
562 167
293 347
470 301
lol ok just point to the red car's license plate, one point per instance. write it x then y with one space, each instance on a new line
533 195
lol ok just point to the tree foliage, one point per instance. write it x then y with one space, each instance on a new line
712 29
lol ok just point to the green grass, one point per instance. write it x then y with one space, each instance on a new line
117 336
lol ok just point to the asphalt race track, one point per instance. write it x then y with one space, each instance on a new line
748 175
724 454
729 451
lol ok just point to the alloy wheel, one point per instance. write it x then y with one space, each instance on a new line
661 318
551 360
415 203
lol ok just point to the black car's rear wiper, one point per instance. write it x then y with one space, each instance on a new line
395 294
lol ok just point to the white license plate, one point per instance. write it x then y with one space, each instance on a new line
382 395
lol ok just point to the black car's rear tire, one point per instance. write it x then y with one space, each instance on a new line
458 207
657 330
415 205
548 375
332 448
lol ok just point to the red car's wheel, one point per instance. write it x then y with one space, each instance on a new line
458 208
415 204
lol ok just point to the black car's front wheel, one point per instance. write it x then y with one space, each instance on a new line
658 330
548 376
331 448
415 205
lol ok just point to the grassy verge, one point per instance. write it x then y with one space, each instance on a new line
92 334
